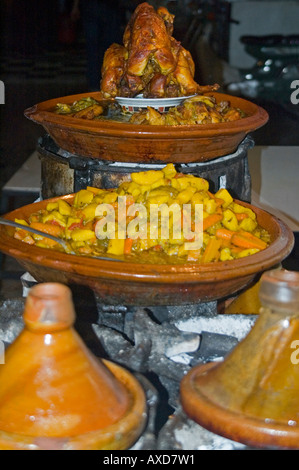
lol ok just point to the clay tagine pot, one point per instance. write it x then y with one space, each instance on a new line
252 396
113 140
54 394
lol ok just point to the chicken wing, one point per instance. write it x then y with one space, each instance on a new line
168 19
113 69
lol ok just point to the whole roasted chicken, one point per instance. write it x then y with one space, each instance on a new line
150 61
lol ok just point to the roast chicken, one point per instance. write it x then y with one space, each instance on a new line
150 61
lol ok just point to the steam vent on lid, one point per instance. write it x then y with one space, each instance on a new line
54 394
252 396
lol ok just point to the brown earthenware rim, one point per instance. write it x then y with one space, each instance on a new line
119 282
44 112
281 246
245 429
125 142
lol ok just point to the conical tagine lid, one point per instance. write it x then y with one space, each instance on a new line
253 395
54 393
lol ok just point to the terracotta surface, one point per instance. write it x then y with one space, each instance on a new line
124 142
252 396
119 282
55 394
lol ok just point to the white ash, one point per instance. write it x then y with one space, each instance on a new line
233 325
182 433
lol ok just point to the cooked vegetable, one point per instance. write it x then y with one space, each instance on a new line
199 109
145 220
86 108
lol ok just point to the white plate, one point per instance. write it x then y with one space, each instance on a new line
132 105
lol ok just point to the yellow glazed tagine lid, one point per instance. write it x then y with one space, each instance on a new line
54 394
252 396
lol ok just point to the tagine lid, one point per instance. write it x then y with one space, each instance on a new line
55 393
252 395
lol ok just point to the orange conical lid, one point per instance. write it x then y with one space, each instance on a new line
51 384
253 395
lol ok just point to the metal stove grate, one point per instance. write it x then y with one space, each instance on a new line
64 173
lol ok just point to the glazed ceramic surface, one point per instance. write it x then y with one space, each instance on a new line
120 282
55 394
124 142
252 395
161 104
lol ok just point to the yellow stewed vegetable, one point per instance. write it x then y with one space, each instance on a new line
153 217
147 177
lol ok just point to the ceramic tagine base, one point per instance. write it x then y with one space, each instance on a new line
54 394
252 396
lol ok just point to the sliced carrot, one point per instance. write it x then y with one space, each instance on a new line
224 234
20 234
24 237
241 216
219 201
50 229
128 246
235 249
225 243
248 240
48 242
211 252
211 220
